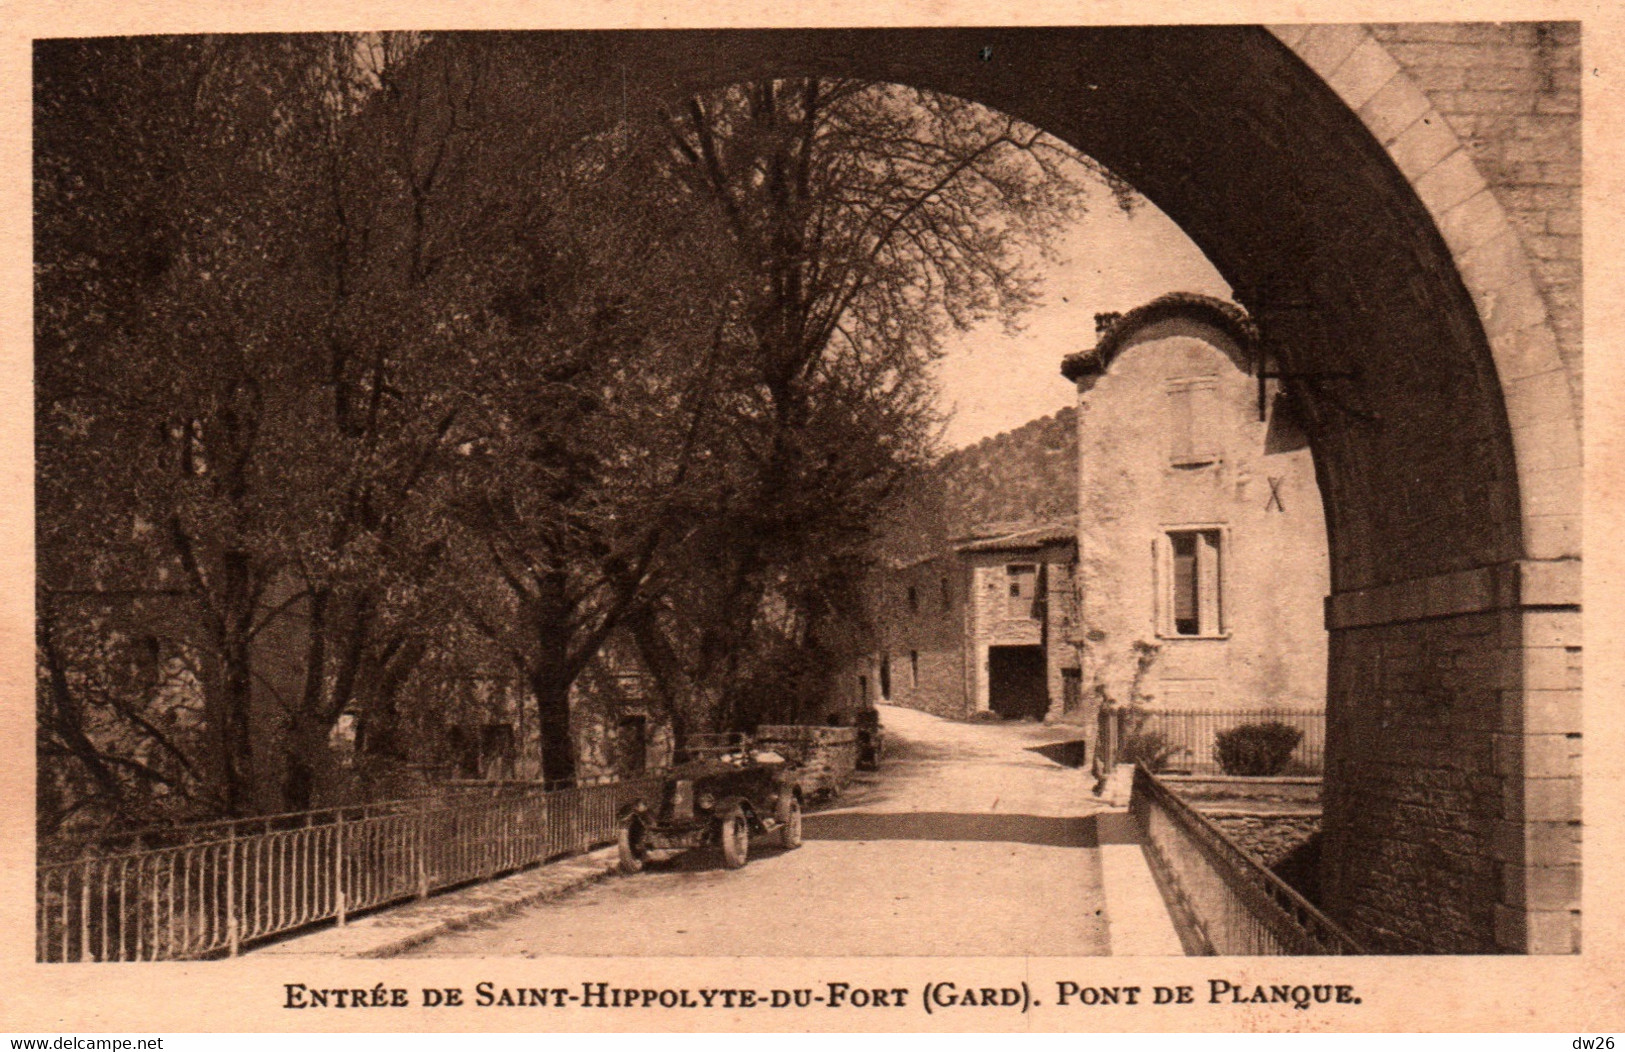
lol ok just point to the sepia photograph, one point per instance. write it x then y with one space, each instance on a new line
940 492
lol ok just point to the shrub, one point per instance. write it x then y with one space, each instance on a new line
1144 748
1148 749
1256 748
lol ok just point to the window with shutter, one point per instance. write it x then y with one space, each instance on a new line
1189 594
1191 405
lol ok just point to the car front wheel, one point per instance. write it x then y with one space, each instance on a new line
735 839
631 848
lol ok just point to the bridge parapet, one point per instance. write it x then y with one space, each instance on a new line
1226 902
208 891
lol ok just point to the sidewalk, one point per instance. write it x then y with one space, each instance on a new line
394 930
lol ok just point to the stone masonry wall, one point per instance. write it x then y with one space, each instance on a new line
1269 838
991 623
1511 94
941 687
931 626
1453 808
1412 794
1028 474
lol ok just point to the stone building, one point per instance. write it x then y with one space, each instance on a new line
983 627
1202 565
488 726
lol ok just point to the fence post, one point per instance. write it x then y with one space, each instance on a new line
488 842
422 822
583 821
233 930
338 866
1106 743
84 911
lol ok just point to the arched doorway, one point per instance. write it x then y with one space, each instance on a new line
1384 275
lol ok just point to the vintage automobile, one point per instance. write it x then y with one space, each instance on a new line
719 799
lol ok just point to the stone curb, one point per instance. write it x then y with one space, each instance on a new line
495 900
574 873
1117 787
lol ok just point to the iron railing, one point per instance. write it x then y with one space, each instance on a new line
1225 898
198 891
1190 734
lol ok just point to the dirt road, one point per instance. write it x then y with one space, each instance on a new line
971 840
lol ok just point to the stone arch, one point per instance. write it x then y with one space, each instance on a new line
1490 258
1382 272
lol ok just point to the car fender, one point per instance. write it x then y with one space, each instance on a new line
729 804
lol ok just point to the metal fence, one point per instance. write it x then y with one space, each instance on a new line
1225 898
177 894
1190 734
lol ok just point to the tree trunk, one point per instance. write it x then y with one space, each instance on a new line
241 794
237 732
306 759
552 692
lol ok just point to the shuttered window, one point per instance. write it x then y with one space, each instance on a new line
1191 435
1189 564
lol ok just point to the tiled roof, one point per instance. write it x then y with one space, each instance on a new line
1034 535
1222 314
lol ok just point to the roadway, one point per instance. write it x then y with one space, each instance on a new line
970 841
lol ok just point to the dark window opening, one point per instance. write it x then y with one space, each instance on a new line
1071 689
496 751
632 745
1185 583
1192 593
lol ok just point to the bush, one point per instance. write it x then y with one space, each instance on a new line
1258 749
1148 749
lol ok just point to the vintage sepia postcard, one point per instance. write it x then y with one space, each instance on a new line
864 518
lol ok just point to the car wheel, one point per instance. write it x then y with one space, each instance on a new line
631 847
735 839
790 821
